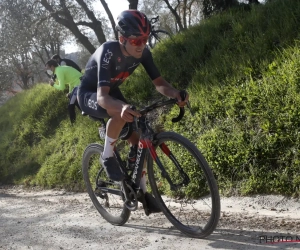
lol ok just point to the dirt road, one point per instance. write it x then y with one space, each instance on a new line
56 219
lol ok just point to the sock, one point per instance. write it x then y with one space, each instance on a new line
108 147
143 182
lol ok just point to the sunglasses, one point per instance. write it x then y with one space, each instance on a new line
137 41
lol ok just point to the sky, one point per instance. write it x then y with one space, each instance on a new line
115 6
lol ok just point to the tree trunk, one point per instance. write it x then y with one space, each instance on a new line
177 17
69 23
96 25
110 17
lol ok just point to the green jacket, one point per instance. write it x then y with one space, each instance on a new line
66 75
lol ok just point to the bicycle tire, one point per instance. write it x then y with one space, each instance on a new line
111 207
157 36
202 182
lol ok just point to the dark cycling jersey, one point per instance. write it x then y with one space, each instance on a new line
109 67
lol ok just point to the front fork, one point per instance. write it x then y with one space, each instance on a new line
164 173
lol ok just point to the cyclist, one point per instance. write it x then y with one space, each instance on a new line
66 75
64 61
99 94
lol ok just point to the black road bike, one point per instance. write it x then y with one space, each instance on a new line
156 35
181 180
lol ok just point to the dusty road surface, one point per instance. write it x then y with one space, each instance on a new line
56 219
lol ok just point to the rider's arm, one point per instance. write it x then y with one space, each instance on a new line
161 85
107 102
165 88
114 106
104 57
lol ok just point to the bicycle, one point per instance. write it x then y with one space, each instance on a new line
156 35
181 180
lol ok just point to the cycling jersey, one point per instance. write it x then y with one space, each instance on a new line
66 75
109 67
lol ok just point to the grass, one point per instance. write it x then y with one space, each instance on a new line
241 69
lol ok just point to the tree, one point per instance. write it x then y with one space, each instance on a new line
77 15
16 45
175 15
211 7
25 43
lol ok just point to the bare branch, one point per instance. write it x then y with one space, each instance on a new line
110 17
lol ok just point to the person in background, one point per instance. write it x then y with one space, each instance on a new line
65 61
65 75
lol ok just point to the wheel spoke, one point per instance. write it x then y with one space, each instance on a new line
193 208
108 203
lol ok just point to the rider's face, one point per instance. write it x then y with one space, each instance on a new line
135 45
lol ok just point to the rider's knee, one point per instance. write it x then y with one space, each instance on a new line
116 118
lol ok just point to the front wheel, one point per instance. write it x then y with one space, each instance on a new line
187 191
157 36
104 193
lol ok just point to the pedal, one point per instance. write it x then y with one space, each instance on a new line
101 184
131 201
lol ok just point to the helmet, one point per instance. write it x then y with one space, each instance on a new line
133 23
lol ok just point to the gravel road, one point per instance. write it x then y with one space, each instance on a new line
57 219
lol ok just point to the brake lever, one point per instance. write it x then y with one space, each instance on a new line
135 119
188 104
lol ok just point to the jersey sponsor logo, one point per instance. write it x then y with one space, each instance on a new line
120 77
106 58
119 59
92 104
92 67
134 65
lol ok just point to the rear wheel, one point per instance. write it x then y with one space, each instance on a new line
110 206
157 36
193 204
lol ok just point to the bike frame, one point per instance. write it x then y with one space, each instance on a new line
146 144
147 137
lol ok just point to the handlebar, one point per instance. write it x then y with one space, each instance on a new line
156 105
166 103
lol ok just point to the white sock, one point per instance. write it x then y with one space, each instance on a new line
108 147
143 182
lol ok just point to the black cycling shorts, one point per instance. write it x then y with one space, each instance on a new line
88 102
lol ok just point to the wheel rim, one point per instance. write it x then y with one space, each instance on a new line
194 214
107 203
